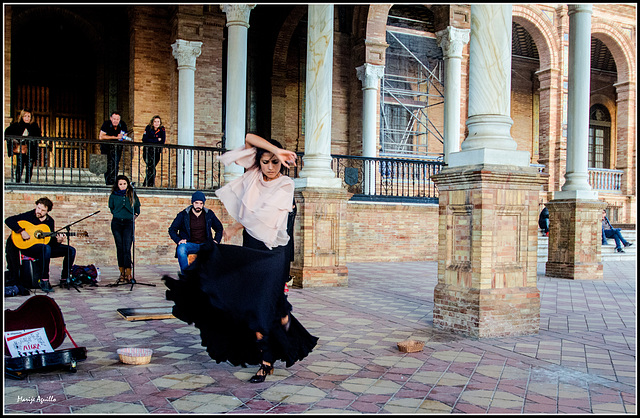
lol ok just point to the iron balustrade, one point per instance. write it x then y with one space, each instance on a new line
80 163
384 179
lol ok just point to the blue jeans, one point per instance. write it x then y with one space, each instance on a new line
47 252
616 235
183 252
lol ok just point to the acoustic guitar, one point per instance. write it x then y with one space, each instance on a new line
40 234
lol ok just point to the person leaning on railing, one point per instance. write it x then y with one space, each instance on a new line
113 129
154 133
26 151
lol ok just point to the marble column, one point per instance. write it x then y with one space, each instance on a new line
488 203
575 212
576 183
370 76
186 52
489 123
322 201
317 170
452 40
236 101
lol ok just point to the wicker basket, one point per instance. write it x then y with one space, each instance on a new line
410 346
135 355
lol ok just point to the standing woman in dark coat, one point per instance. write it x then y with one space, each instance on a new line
26 151
125 208
236 295
154 133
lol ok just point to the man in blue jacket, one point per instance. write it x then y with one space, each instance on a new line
191 230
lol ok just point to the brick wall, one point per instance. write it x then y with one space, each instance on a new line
375 232
391 232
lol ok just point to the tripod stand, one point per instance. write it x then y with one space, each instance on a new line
132 281
67 280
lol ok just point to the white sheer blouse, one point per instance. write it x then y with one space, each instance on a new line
260 206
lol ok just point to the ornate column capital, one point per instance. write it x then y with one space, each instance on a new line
370 74
237 14
452 40
186 53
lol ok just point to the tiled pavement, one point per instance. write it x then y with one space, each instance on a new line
582 361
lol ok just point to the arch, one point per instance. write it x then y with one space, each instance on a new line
283 40
376 30
50 12
542 32
620 46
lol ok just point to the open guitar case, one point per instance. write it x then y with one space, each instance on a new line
40 311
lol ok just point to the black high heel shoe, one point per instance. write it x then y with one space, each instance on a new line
266 369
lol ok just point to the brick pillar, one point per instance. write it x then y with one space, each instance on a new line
575 239
487 251
321 245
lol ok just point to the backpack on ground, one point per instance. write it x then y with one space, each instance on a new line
85 274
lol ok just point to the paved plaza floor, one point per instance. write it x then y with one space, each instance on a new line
583 360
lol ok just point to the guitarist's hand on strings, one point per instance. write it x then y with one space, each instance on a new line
25 235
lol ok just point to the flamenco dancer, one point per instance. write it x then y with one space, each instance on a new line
236 295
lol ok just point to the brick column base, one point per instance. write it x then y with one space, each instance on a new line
487 251
575 239
320 238
488 312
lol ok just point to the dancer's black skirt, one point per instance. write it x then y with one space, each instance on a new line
232 293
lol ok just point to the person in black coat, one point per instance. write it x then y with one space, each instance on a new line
192 232
543 221
113 130
25 150
154 133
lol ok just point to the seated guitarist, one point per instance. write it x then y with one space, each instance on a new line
54 248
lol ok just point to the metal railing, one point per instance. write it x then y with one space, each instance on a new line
385 179
82 163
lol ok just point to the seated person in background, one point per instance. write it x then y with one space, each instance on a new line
191 230
610 232
41 251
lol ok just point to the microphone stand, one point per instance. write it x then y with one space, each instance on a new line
68 283
133 281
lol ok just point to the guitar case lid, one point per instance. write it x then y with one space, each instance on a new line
38 311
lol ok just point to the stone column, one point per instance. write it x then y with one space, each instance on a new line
321 246
575 212
577 177
319 88
489 140
322 202
236 101
370 76
452 40
186 52
488 203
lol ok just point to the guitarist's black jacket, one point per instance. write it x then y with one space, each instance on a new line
12 222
